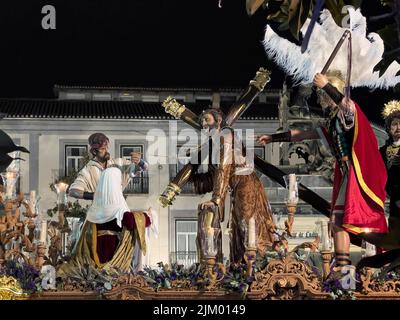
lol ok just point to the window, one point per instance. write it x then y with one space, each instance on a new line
74 158
259 151
126 150
185 242
139 184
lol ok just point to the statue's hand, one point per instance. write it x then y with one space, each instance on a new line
207 204
320 80
264 139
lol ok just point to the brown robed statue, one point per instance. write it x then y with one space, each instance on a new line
248 197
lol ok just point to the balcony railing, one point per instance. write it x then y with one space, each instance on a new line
137 185
188 188
185 258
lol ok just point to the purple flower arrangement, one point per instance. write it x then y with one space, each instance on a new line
165 275
27 276
177 276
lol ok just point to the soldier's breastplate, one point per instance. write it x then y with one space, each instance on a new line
393 181
341 146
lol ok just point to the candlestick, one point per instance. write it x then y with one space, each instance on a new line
32 201
61 189
292 198
43 232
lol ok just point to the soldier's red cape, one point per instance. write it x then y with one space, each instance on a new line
365 193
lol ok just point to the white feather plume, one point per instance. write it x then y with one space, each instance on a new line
367 51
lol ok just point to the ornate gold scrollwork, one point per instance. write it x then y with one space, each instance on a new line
173 107
10 289
261 79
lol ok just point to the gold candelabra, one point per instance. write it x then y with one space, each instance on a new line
14 242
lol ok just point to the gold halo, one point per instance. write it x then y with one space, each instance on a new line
390 107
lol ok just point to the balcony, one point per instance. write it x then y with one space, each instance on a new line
138 185
185 258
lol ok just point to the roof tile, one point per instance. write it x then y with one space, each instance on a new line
40 108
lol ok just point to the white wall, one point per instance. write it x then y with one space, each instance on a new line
52 131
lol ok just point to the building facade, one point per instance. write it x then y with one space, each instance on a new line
56 131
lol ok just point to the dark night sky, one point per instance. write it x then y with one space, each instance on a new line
182 43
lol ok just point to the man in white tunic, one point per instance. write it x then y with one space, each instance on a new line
86 182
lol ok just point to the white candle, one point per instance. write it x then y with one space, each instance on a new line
325 243
32 200
43 232
252 232
292 188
